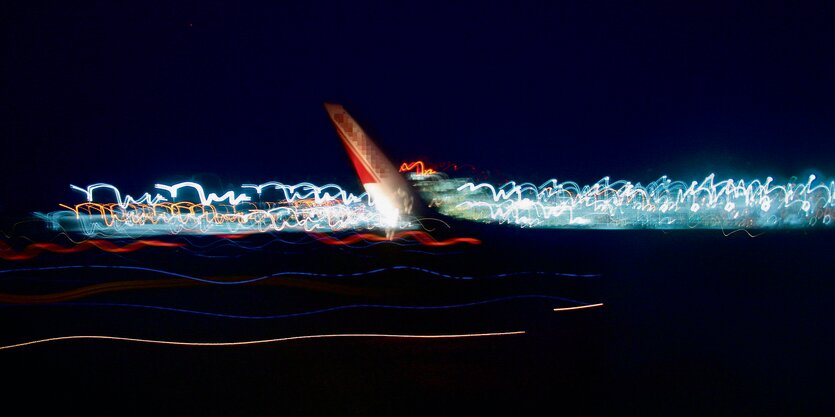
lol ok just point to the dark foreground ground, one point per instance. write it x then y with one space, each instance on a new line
694 322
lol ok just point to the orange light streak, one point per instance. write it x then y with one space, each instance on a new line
579 307
263 341
418 167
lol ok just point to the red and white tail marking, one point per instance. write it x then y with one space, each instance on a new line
387 190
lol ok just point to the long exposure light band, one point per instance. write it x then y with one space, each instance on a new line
300 207
262 341
621 204
606 204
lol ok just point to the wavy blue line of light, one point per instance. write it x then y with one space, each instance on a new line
308 313
295 273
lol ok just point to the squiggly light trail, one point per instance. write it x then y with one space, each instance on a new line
606 204
661 204
301 207
262 341
418 167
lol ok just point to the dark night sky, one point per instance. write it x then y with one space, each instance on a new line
134 95
697 322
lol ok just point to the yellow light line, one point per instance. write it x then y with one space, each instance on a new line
579 307
256 342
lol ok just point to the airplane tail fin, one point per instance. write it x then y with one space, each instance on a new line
387 189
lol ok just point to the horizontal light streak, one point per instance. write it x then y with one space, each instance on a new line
262 341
